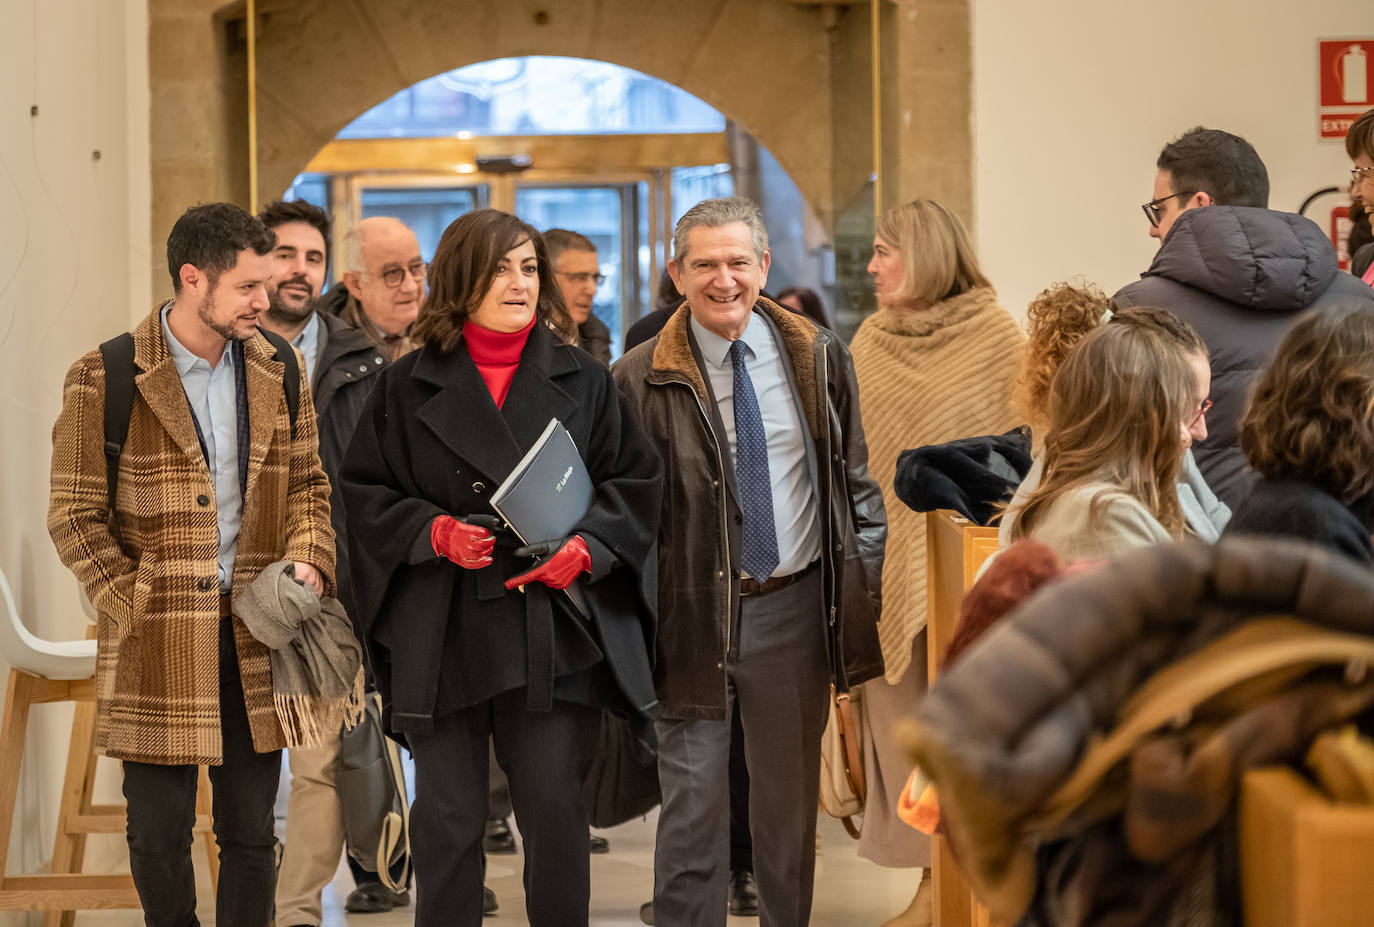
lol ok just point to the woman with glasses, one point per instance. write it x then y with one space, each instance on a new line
1309 433
470 636
935 363
1359 144
1057 320
1124 406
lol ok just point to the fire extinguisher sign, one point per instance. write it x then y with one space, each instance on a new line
1347 83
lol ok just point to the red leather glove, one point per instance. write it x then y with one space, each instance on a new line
467 545
558 571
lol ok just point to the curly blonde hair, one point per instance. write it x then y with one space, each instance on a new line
1056 320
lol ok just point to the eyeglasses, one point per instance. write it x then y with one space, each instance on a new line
1201 411
598 279
393 276
1360 173
1152 208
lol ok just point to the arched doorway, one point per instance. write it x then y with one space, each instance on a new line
608 152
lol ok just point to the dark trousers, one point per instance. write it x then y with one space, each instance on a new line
162 810
543 754
741 843
779 676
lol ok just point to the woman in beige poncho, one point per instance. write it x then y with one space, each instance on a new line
936 362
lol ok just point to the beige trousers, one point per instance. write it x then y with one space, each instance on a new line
314 834
886 839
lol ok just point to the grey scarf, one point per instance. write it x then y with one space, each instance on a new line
317 676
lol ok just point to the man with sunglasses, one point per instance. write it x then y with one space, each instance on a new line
383 283
1238 272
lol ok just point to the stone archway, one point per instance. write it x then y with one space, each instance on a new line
764 63
795 74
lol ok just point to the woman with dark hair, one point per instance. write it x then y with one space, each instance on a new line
469 638
804 301
1309 433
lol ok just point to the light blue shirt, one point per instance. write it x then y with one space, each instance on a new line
308 343
214 402
794 495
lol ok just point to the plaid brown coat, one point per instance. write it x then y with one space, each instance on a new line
152 570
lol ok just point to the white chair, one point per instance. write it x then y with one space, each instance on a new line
57 671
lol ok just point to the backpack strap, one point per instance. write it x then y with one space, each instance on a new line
290 377
117 354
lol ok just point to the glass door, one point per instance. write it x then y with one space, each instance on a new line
428 210
608 214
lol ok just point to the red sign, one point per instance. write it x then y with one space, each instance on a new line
1340 234
1336 125
1347 73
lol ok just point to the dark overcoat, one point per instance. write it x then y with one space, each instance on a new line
432 442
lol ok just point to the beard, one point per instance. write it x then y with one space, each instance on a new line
287 315
225 330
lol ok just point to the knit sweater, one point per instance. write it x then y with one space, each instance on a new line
926 377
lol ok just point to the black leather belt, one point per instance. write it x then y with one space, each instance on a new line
749 586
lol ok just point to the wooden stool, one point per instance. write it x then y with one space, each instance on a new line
66 889
955 549
78 815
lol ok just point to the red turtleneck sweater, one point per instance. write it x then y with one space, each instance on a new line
496 355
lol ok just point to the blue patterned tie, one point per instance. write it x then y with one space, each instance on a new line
760 555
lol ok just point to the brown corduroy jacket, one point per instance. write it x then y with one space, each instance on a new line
151 570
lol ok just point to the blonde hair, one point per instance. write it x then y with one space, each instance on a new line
1115 410
1056 320
937 257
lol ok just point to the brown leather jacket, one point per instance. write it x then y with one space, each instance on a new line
699 538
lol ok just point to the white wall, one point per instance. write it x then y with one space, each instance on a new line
1074 98
73 271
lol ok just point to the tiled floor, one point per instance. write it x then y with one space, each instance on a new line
849 890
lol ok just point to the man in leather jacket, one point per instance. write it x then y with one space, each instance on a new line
770 554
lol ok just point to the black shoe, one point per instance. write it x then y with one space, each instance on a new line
744 894
646 913
374 898
499 841
489 905
598 844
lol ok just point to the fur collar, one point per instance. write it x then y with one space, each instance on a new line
921 322
673 360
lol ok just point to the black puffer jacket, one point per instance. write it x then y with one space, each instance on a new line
1241 276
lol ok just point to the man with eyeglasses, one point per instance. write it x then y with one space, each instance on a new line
578 272
1238 272
383 283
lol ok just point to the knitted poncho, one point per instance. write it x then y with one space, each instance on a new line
927 376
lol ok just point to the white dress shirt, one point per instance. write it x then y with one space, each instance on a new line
794 496
214 402
308 343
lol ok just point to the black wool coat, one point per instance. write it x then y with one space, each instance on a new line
432 442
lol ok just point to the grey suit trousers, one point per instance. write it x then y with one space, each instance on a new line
778 673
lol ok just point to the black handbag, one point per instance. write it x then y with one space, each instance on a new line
372 794
621 782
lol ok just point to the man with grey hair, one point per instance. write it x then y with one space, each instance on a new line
383 283
578 272
772 532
